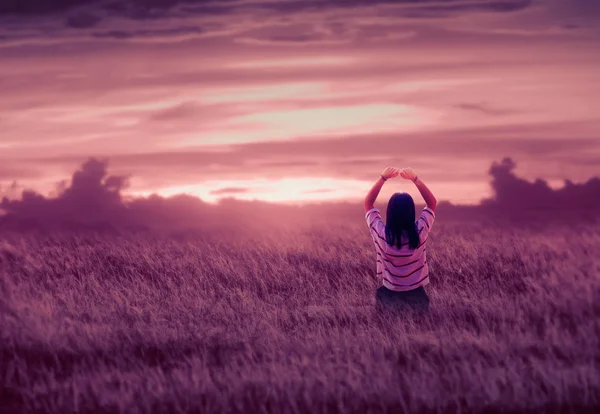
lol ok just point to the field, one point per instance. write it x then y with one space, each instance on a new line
285 322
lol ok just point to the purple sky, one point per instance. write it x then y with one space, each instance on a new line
299 100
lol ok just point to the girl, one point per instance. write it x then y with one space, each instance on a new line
401 244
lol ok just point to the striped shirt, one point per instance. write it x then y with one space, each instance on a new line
405 268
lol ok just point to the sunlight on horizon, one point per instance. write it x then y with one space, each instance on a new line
314 189
282 190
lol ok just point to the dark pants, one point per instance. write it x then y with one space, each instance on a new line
416 299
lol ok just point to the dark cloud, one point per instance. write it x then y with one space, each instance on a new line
438 10
484 108
584 9
94 197
92 194
39 6
85 14
183 110
297 38
513 193
196 112
32 7
408 6
144 9
147 33
82 20
114 34
509 6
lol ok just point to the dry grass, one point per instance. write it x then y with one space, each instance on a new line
286 323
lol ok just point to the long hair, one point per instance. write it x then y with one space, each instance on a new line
401 218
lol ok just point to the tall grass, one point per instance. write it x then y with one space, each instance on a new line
285 321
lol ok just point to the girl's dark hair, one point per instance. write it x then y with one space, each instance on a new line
401 218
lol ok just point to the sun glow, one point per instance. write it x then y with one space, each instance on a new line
284 190
302 190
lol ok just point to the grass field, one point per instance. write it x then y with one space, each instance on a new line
286 322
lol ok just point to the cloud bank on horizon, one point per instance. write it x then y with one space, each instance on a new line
298 100
93 196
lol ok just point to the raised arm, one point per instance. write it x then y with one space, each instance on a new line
389 172
430 200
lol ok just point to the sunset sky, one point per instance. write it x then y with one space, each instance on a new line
299 100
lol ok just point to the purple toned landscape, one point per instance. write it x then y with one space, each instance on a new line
185 190
171 305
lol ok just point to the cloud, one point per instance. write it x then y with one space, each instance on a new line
11 191
508 6
319 6
149 8
434 9
193 111
181 111
230 190
321 32
513 193
82 20
354 156
149 33
29 7
95 197
41 7
288 40
92 194
339 21
484 108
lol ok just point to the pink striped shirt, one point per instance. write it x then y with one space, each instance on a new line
405 268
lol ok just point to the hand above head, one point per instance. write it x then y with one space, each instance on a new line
390 172
408 174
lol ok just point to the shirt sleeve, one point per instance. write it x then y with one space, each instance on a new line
376 227
425 223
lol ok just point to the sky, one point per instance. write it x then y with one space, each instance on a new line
298 100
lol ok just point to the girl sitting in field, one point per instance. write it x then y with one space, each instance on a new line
401 244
